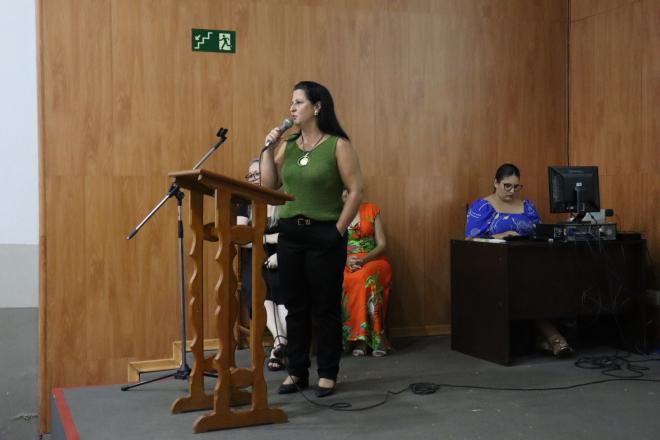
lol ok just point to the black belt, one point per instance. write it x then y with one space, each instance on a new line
301 220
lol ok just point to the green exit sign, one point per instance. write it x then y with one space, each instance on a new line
207 40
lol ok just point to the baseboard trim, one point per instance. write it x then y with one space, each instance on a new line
424 330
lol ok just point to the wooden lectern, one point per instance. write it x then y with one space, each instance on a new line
229 389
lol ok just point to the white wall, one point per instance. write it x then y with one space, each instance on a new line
19 199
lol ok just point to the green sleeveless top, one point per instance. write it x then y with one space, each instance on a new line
317 186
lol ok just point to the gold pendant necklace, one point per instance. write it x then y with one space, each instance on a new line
304 159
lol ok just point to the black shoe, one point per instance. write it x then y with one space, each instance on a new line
325 392
300 384
275 364
279 351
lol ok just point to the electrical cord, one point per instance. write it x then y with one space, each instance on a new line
437 386
346 406
616 301
608 265
427 388
609 364
618 294
652 266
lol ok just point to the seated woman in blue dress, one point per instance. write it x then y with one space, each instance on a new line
501 214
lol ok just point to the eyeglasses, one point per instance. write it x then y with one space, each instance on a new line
252 176
510 187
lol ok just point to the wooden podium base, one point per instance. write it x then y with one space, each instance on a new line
192 403
205 401
236 419
231 382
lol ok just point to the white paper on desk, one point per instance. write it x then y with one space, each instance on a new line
489 240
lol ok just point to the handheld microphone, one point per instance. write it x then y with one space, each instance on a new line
286 124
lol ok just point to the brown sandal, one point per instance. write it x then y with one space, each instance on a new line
557 346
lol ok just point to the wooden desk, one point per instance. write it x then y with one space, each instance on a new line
493 284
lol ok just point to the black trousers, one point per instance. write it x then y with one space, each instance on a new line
311 259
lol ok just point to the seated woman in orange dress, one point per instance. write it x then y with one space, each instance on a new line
367 277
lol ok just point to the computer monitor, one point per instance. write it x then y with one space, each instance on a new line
573 189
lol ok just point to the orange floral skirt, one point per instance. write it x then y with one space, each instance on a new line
364 303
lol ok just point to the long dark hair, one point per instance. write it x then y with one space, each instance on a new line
506 170
326 118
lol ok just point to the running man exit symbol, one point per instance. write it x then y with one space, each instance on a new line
207 40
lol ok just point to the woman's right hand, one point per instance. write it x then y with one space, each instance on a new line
273 136
353 263
506 234
271 238
271 262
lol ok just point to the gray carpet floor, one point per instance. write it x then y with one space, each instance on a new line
613 410
19 368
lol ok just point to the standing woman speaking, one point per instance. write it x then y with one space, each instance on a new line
313 165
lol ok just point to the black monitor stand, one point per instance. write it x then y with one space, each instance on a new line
580 209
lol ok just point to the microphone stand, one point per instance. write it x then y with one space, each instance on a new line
183 372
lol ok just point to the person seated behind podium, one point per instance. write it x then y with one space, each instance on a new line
274 303
501 214
366 287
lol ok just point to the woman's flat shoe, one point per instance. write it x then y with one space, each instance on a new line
298 384
324 392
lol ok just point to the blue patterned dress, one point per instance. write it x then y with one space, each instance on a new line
484 221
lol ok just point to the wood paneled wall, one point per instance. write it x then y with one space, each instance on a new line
615 109
434 93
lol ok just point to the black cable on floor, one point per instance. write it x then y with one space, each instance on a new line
606 363
346 406
615 365
425 388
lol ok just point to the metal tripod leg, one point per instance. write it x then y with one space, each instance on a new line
183 372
